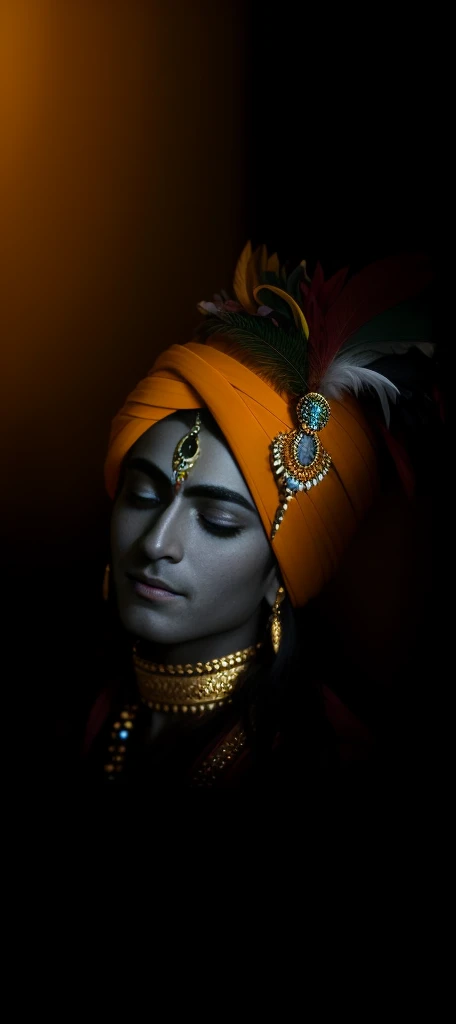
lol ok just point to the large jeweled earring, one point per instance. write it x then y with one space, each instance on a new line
299 460
186 453
276 622
105 588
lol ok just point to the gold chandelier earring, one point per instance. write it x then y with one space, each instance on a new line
105 588
276 620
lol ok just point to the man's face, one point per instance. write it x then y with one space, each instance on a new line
205 542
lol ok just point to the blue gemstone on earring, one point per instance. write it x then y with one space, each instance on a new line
293 484
124 734
306 450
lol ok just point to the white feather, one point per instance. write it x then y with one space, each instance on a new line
363 354
344 375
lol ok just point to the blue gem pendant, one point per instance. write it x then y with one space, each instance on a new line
185 454
299 460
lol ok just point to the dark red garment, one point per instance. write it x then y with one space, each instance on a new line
354 742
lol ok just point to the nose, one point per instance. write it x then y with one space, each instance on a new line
163 539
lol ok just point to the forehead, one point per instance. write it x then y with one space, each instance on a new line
215 464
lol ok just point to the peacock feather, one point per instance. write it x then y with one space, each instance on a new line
278 354
323 335
315 339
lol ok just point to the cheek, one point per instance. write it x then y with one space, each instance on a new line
124 532
239 570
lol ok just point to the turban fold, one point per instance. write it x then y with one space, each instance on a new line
319 523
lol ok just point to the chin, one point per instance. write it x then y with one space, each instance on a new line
144 625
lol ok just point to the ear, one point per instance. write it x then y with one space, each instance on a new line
273 582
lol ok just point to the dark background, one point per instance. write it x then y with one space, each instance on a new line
145 143
348 146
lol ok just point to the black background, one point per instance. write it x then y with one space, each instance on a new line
345 161
348 140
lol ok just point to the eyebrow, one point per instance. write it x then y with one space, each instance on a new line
197 490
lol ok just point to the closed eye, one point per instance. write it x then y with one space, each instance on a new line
217 529
142 500
146 499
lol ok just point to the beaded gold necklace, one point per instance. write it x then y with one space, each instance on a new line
192 688
184 688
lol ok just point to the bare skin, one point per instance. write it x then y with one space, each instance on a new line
208 546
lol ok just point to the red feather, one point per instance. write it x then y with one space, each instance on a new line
318 296
335 312
401 460
372 291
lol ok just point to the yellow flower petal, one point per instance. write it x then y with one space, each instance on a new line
241 278
298 314
273 264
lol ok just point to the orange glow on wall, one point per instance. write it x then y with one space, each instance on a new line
121 206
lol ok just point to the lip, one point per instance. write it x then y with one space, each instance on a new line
152 588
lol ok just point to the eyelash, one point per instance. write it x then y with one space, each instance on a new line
139 499
214 528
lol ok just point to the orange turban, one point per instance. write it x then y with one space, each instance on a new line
319 523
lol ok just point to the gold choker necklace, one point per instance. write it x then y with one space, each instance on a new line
193 688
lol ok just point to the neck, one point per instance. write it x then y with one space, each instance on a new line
204 648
